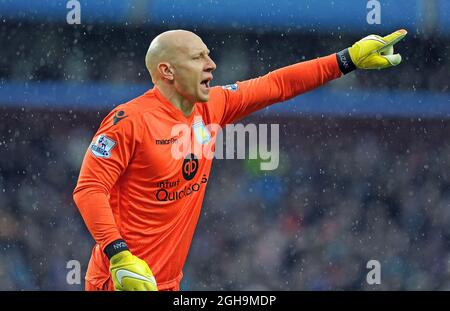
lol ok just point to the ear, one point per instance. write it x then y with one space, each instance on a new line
166 71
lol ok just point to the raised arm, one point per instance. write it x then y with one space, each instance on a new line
232 102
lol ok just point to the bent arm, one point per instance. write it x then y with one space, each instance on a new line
105 161
94 207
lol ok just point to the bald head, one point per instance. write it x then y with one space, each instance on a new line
180 67
166 47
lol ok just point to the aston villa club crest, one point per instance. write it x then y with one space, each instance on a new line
201 133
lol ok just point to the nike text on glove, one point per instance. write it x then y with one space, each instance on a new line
371 52
128 272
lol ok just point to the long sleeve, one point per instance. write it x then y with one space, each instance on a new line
236 101
105 161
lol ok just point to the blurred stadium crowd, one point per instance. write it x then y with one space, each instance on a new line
115 54
346 192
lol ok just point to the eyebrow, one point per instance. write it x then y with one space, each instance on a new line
202 52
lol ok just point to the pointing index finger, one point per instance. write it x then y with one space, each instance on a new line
395 37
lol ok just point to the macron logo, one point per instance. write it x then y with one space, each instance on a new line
120 274
170 141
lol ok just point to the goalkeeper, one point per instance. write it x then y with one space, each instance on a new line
141 203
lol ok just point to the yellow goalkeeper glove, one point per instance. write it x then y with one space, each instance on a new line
371 52
128 272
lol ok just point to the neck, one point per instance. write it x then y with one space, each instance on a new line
176 99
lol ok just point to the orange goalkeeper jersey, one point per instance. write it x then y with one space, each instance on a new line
132 187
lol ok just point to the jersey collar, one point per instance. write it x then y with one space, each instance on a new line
175 111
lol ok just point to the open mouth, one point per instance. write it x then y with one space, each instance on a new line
205 83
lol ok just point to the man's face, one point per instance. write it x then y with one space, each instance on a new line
193 70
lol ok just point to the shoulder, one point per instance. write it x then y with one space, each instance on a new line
220 95
133 110
224 93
